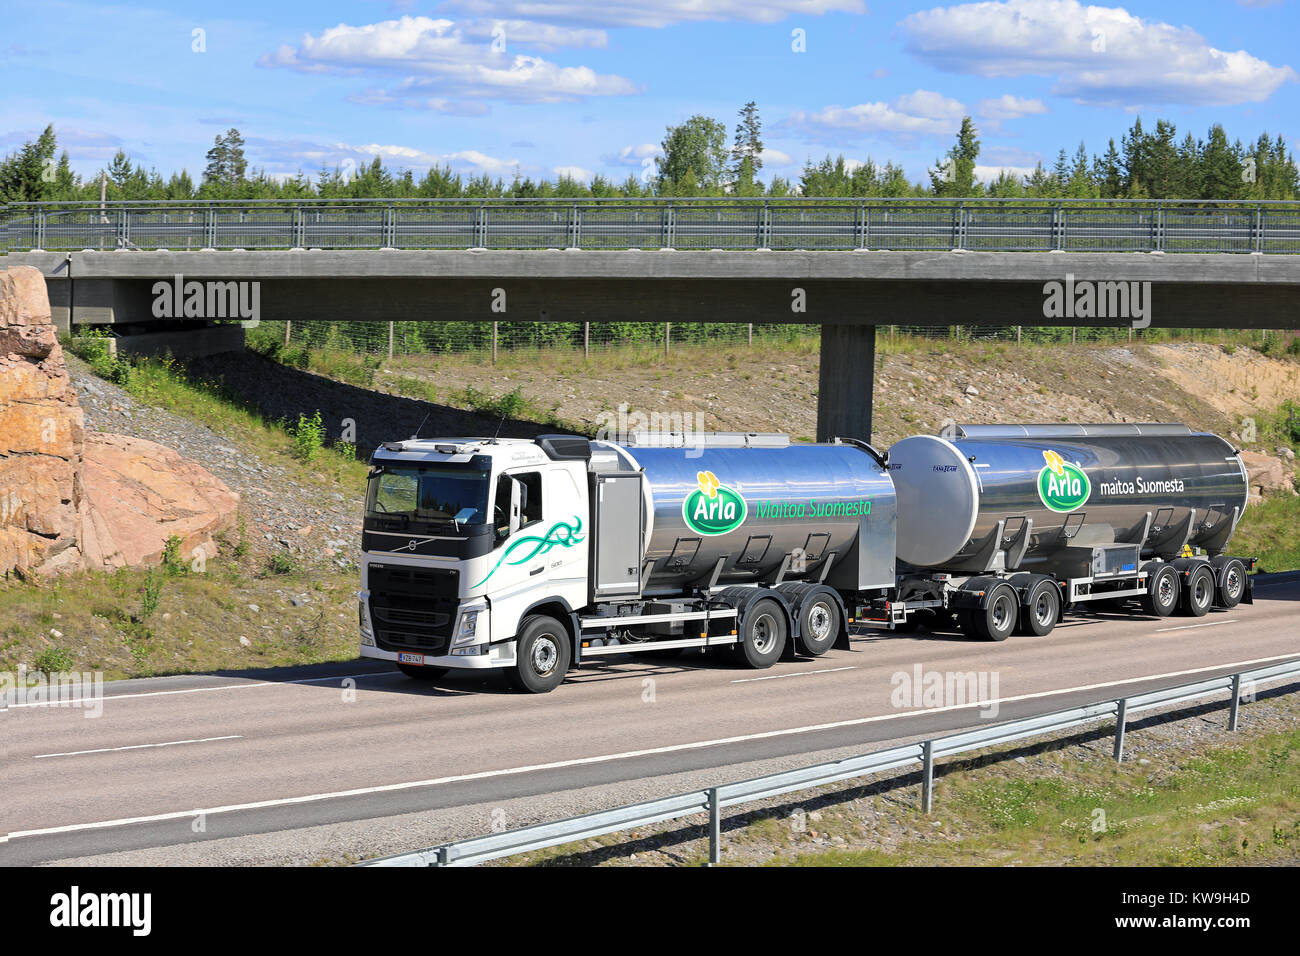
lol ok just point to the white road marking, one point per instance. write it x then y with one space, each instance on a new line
200 690
607 758
1188 627
824 670
169 743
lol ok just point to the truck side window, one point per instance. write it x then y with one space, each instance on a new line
501 508
532 481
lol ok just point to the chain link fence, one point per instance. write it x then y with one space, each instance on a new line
489 339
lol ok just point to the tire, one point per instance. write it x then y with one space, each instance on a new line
1232 584
819 624
1040 615
997 619
543 655
763 634
1163 592
1198 595
419 672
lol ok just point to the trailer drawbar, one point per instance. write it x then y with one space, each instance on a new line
534 556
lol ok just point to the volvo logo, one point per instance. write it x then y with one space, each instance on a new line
410 545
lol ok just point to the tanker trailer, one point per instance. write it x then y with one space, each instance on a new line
531 557
1007 526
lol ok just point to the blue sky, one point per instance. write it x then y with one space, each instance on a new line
588 87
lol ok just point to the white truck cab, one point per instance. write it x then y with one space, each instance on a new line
464 538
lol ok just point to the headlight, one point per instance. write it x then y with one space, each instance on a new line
468 627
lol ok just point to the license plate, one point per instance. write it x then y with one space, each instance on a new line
411 658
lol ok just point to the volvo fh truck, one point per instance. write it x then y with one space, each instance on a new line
533 557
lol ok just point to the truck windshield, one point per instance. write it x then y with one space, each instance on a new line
405 495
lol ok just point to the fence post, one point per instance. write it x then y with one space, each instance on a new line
1017 335
494 343
927 776
750 335
288 324
668 338
390 341
715 828
586 340
1121 724
1236 702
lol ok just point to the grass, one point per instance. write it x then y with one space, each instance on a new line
1227 806
1270 531
143 623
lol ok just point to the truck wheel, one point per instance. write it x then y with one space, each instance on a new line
819 624
417 672
543 655
1199 593
1162 592
1232 587
1039 616
763 635
998 618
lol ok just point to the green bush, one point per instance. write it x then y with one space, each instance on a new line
172 561
308 437
53 660
282 563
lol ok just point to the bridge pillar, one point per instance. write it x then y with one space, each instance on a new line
845 382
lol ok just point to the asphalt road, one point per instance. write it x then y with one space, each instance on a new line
172 762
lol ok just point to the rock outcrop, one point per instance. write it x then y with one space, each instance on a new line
69 500
42 434
1266 475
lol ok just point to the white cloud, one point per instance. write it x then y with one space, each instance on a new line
774 157
442 65
1006 107
634 155
574 172
1102 55
987 174
920 113
282 154
627 13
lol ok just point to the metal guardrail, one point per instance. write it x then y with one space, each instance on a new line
1015 225
713 799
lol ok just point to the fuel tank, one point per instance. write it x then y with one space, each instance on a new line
1075 483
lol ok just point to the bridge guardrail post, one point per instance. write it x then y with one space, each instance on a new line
388 231
927 776
1121 725
1235 710
299 226
40 227
480 226
1158 223
715 827
575 227
1058 227
1259 228
669 227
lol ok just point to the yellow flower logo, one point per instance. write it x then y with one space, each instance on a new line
1055 462
708 482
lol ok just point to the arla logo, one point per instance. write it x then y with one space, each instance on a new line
713 508
1062 486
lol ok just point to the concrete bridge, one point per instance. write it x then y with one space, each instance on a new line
848 265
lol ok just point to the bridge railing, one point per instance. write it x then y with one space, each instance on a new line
684 224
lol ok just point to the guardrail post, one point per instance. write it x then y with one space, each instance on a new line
480 227
444 856
1259 229
389 237
1121 724
575 227
1158 224
1058 227
40 227
1236 702
927 776
669 227
862 227
715 827
299 227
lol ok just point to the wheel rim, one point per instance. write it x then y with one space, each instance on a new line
1201 590
1000 612
764 633
546 654
1043 610
819 622
1232 582
1165 588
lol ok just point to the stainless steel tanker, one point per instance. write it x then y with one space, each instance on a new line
1158 486
751 500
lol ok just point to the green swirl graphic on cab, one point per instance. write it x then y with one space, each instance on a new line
561 534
